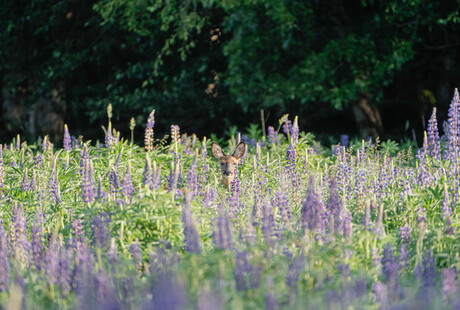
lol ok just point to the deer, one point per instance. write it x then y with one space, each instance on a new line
228 163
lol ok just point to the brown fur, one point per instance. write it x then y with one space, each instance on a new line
228 163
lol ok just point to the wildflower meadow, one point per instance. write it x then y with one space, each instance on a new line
115 225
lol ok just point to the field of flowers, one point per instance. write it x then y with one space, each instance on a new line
122 226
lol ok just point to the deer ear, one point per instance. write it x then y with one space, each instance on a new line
217 151
240 150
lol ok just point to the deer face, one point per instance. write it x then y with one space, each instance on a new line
228 163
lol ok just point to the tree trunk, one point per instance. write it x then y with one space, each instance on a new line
367 118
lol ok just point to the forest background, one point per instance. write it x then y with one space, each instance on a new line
363 68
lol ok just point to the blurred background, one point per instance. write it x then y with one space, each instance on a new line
362 68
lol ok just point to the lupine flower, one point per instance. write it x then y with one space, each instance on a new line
453 123
192 177
295 132
449 229
114 184
64 271
100 193
2 168
272 135
334 208
446 210
148 137
404 233
294 269
434 144
312 208
77 234
22 245
25 182
109 139
87 185
191 236
403 256
33 181
287 127
175 134
381 294
241 269
390 270
100 230
4 259
136 255
67 142
267 221
429 270
53 184
448 283
127 184
37 246
169 293
147 177
52 261
84 159
222 236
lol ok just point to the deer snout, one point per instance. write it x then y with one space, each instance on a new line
227 173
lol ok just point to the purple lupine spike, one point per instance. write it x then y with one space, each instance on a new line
4 259
173 178
114 184
83 271
116 165
136 255
147 176
446 210
127 186
405 234
334 208
112 252
100 230
25 186
67 142
272 135
53 184
52 261
241 269
22 246
33 181
109 139
169 293
100 193
434 144
294 269
448 283
87 186
422 171
449 229
63 280
77 234
38 160
84 159
222 234
37 243
381 294
429 270
191 236
175 134
312 208
268 221
148 137
209 196
287 127
390 270
403 256
453 128
295 132
192 176
156 176
2 168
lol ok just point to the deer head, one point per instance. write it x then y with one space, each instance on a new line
228 163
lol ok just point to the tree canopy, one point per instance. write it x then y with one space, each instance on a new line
343 68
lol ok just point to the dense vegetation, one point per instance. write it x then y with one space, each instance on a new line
344 67
115 225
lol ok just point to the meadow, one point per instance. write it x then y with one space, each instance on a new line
115 225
